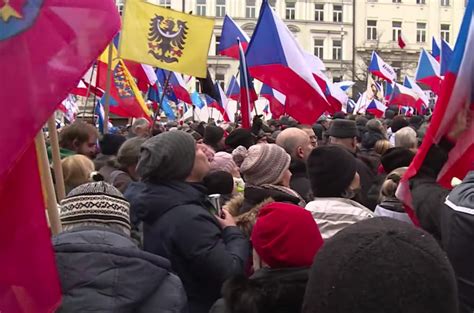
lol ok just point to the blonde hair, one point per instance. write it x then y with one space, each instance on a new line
406 138
390 185
77 170
382 145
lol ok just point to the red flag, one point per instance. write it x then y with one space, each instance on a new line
401 42
45 48
247 96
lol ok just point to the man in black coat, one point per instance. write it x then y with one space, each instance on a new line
178 223
297 144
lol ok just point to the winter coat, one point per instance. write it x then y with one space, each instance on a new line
104 271
427 195
254 195
177 224
457 233
116 177
392 208
334 214
299 179
266 291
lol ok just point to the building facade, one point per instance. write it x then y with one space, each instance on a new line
322 27
378 24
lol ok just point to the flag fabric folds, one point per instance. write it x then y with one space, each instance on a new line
223 101
229 35
45 51
428 71
165 38
381 69
197 101
125 98
345 85
246 88
435 49
423 100
401 41
404 96
276 59
233 90
376 108
455 100
446 56
176 89
276 100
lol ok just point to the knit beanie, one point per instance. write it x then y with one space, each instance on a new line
331 170
240 137
396 157
212 135
342 129
167 156
381 265
110 144
262 164
97 202
286 235
223 161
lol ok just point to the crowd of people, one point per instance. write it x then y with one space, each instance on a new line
209 217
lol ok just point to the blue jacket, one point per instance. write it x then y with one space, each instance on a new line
177 225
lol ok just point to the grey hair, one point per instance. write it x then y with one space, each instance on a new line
139 122
406 138
129 152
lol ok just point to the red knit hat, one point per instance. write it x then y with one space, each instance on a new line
286 235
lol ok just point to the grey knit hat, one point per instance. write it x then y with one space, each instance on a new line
262 164
167 156
97 202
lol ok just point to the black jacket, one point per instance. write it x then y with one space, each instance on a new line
299 179
267 291
104 271
178 226
457 230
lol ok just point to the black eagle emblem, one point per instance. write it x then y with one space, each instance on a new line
167 38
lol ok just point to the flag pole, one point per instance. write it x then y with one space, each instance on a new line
47 184
57 168
163 91
108 83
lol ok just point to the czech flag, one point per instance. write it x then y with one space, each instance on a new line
423 100
455 100
233 90
376 108
275 58
401 41
275 99
230 33
169 91
446 56
428 71
388 90
345 85
435 50
246 88
404 96
179 87
213 103
223 101
381 69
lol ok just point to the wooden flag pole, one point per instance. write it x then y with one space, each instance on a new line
57 168
47 183
108 83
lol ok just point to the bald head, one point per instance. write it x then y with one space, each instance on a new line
296 143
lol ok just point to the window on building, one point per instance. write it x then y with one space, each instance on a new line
319 12
396 30
198 86
445 3
420 32
218 41
166 3
371 30
319 48
201 7
337 13
420 1
396 1
337 49
290 10
220 79
250 8
445 32
220 8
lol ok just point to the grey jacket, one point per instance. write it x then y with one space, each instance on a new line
103 271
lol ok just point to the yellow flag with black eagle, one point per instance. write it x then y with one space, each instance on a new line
165 38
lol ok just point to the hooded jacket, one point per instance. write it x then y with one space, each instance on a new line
457 232
177 225
299 181
334 214
104 271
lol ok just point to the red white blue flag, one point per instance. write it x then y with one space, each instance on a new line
379 68
230 33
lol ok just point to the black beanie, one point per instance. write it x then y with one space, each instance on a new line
381 265
110 144
396 157
331 170
212 135
398 123
220 182
240 137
